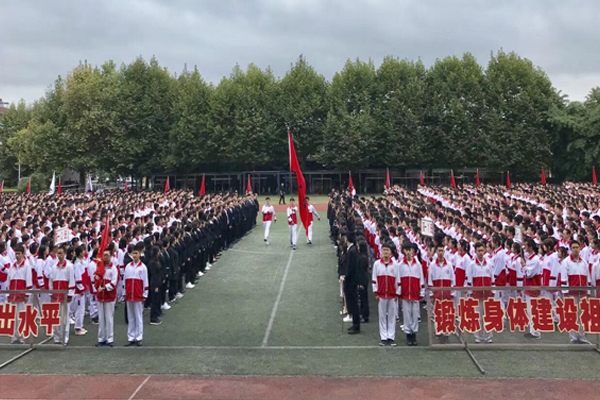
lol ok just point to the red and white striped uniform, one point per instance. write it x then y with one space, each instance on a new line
136 281
575 272
62 277
441 275
479 274
19 278
268 213
386 279
412 283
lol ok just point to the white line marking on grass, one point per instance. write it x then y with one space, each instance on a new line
116 349
139 387
264 253
276 305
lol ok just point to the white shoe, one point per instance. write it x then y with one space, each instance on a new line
190 285
200 273
207 267
178 295
347 318
266 241
72 321
166 306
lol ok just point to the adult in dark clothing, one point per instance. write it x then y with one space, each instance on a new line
363 288
352 280
155 284
282 194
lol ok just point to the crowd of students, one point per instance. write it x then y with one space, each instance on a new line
160 245
529 235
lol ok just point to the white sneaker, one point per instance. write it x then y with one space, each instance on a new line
190 285
72 321
266 241
178 295
200 273
166 306
347 318
208 265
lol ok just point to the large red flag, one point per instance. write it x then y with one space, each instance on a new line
202 187
422 178
350 184
452 180
477 181
59 188
125 187
594 179
167 187
300 182
248 186
543 176
29 186
99 274
387 178
508 179
2 187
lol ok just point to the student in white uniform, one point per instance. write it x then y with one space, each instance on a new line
311 212
268 213
292 216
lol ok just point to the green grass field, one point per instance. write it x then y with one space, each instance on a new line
267 310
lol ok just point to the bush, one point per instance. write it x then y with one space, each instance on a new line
39 183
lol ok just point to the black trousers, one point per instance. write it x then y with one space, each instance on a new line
351 292
282 199
155 306
173 289
363 298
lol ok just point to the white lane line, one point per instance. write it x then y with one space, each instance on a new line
139 387
276 305
117 349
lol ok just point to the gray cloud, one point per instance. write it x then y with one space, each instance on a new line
43 39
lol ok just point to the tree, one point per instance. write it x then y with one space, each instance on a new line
245 124
399 109
190 137
453 116
519 98
351 138
14 119
302 105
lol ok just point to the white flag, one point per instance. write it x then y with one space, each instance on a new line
52 184
88 186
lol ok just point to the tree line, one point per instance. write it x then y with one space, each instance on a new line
139 119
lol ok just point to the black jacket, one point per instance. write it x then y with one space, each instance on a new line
353 273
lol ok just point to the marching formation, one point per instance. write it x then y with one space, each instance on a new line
479 236
141 249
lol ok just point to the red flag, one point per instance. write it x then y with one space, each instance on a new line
594 179
350 184
29 186
202 187
477 181
248 186
508 179
422 178
2 187
387 178
99 274
59 188
452 180
301 183
543 176
167 188
125 187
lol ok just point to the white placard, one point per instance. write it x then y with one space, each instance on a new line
62 235
518 234
427 227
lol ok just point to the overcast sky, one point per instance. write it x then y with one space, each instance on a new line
41 39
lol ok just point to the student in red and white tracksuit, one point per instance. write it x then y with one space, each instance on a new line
312 211
576 272
268 214
106 294
532 276
499 265
480 273
136 293
386 287
442 274
78 302
4 267
62 277
19 278
412 290
292 217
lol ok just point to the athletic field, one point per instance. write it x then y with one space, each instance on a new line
265 323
